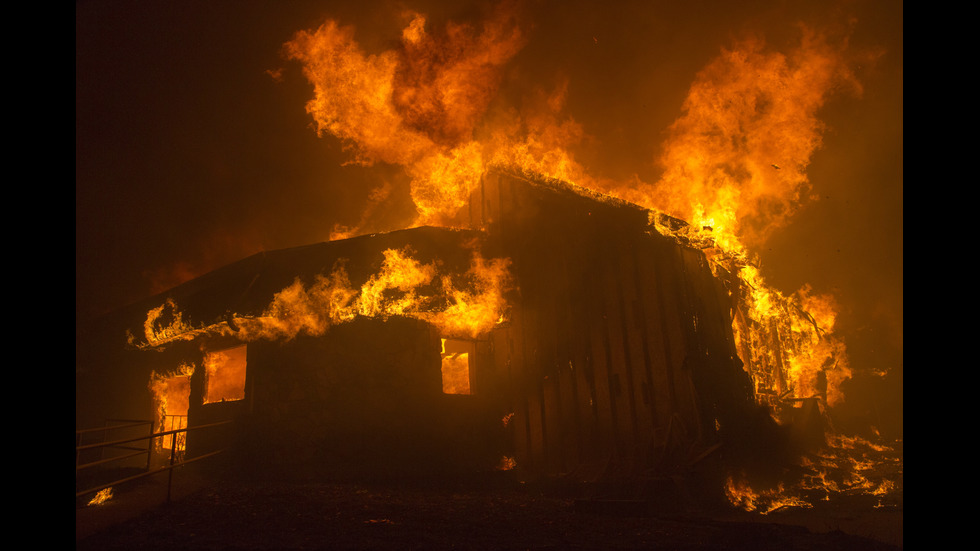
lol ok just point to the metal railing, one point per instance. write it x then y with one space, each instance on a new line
133 451
112 426
174 422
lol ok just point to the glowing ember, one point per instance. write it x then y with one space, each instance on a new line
506 464
847 466
101 497
764 502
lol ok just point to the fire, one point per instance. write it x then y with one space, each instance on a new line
474 312
416 106
225 371
764 502
101 497
466 305
171 393
734 164
736 159
158 330
455 371
788 343
398 272
847 466
506 463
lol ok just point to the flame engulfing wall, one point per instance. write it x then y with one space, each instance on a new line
286 340
601 341
459 302
733 165
434 104
457 88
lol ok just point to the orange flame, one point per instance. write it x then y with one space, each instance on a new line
736 160
742 495
171 393
102 496
402 287
734 164
416 106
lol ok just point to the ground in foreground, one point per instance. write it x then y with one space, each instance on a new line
268 515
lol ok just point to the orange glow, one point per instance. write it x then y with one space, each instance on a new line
225 375
416 106
736 159
733 166
787 343
464 305
506 463
456 367
171 395
101 497
480 305
734 163
399 272
164 324
764 502
456 374
846 466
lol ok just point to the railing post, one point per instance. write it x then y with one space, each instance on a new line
173 457
149 446
105 436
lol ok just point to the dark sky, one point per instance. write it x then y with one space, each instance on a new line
189 155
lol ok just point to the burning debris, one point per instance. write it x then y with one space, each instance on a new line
102 496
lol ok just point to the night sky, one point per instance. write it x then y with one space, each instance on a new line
193 148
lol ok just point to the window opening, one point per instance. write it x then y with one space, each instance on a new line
171 394
456 356
225 371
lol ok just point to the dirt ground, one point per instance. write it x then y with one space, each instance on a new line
208 513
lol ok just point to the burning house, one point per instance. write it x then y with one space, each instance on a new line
519 275
562 333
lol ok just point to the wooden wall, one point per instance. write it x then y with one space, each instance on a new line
614 330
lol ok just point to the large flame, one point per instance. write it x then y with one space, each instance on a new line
416 106
734 164
736 159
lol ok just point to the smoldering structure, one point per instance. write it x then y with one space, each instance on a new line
614 359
